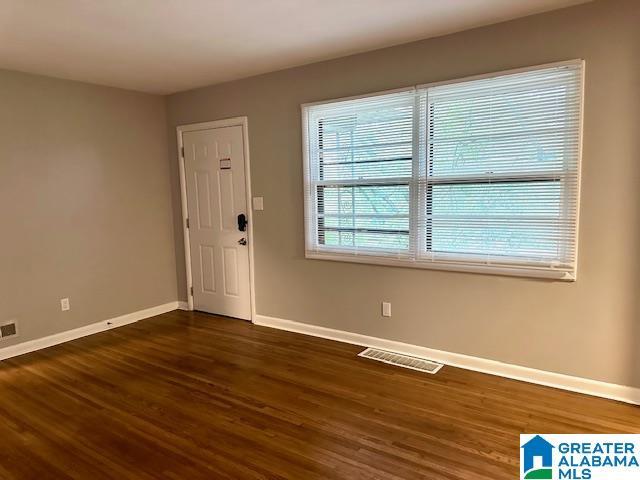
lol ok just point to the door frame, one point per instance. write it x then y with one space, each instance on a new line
193 127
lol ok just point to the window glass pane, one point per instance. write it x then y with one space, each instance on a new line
391 224
473 156
369 214
508 219
364 200
368 169
365 145
503 130
370 241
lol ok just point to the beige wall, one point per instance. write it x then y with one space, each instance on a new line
85 204
589 328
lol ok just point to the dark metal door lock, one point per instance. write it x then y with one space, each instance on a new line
242 222
242 241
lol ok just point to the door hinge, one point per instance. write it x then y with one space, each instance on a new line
188 223
182 151
192 291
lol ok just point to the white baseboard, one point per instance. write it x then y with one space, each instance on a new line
62 337
566 382
183 306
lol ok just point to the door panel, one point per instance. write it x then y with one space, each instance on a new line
203 199
226 204
216 195
207 255
230 271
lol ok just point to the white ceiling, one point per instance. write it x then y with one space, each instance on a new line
164 46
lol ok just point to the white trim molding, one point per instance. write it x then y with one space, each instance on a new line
62 337
586 386
184 306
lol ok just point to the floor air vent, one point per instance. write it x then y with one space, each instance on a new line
399 360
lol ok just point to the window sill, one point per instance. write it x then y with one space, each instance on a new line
488 269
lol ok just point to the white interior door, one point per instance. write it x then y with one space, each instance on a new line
215 179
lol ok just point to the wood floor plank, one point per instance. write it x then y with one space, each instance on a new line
189 395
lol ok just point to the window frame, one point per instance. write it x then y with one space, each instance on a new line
454 262
312 183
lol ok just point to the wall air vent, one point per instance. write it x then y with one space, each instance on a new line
400 360
8 329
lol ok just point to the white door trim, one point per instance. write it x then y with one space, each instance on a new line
192 127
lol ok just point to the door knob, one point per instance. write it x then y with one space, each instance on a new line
242 241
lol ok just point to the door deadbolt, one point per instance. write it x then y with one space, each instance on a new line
242 241
242 222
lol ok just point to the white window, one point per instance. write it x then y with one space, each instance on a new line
475 175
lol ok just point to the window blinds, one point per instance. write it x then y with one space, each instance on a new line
360 174
477 174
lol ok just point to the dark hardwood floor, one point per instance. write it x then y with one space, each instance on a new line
193 396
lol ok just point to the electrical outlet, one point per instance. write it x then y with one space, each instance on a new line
386 309
64 304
